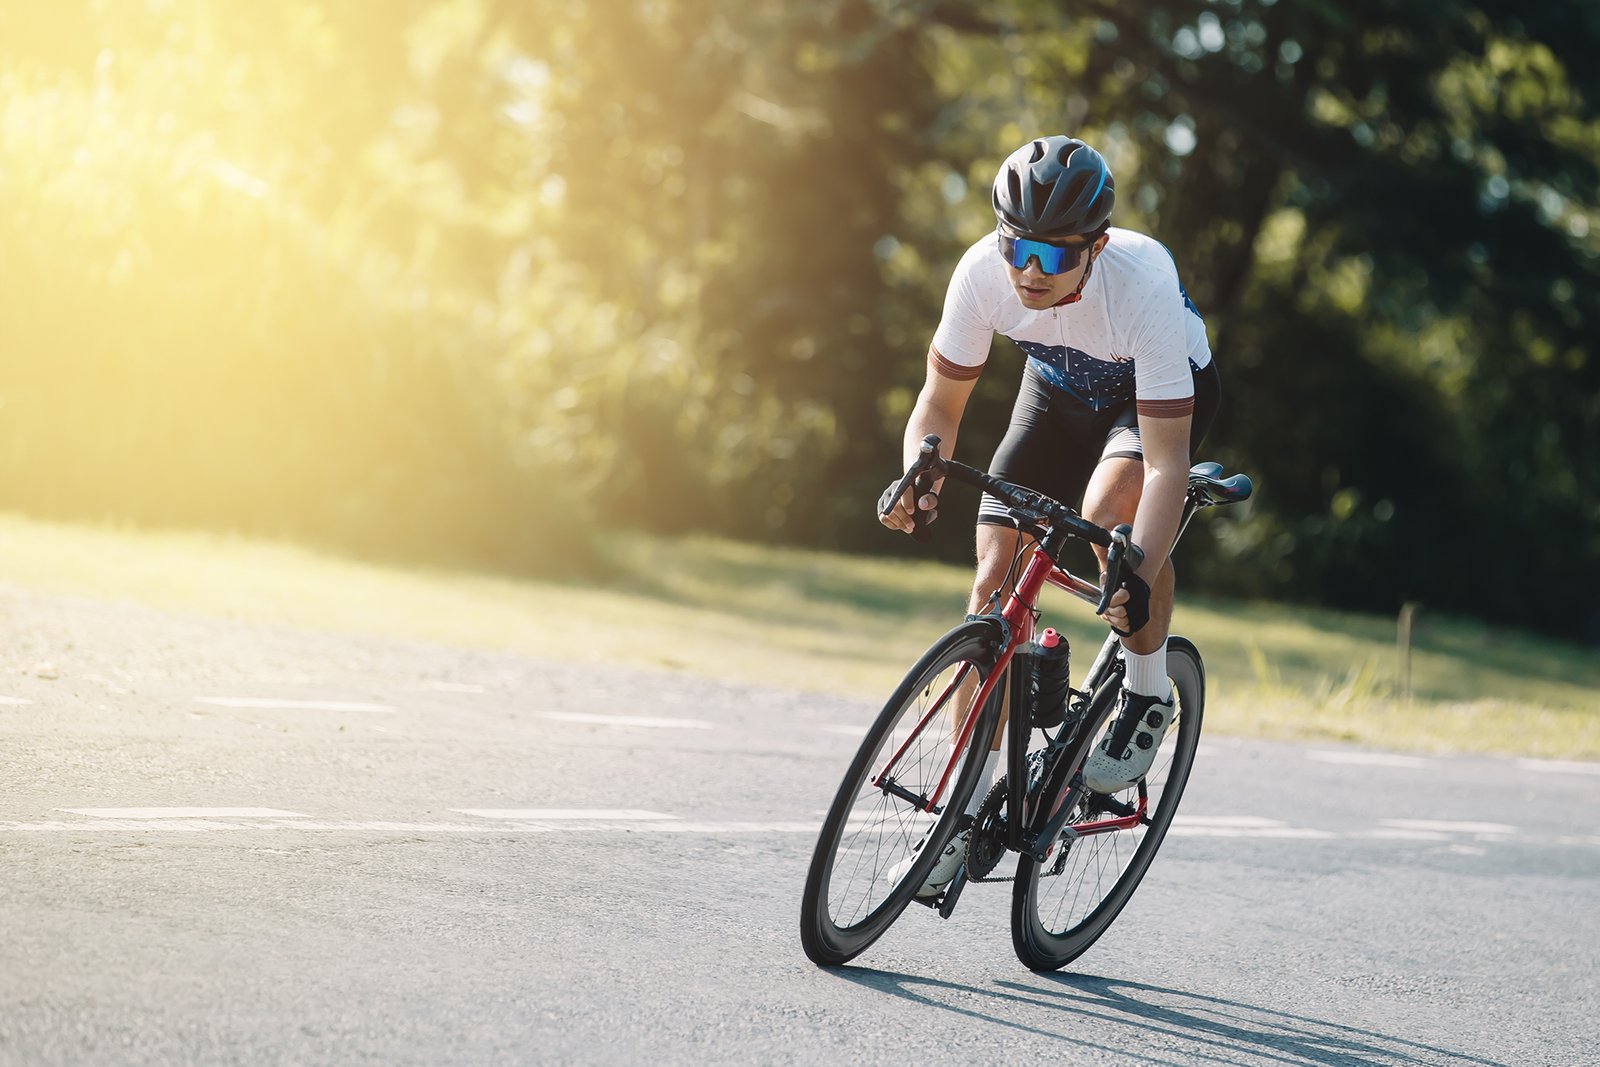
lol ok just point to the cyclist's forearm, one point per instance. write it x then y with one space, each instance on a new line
927 419
1155 525
938 410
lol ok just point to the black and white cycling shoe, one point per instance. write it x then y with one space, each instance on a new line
949 862
1108 772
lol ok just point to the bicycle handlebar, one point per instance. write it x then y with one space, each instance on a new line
1121 552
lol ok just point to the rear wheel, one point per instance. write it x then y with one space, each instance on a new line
867 864
1060 907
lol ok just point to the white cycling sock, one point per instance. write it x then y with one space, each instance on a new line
1147 672
985 780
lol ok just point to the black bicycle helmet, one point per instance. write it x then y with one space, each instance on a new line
1054 187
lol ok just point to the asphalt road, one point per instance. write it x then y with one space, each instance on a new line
237 844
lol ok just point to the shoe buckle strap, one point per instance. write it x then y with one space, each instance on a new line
1128 721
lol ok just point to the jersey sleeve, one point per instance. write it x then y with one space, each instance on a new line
1159 342
961 343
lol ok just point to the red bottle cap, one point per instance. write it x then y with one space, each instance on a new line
1050 639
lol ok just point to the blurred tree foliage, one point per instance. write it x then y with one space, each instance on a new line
470 280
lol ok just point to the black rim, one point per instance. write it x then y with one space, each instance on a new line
865 870
1061 907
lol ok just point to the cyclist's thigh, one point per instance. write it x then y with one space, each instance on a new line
1122 437
1051 445
1113 491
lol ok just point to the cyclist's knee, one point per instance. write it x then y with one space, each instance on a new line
997 548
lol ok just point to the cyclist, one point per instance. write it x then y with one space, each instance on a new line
1117 390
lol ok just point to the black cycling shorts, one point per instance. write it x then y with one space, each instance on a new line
1055 441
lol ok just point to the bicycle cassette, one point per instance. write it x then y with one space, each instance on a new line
987 845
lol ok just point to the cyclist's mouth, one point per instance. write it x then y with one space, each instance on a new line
1033 293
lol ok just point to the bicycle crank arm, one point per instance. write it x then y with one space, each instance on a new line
1039 845
952 893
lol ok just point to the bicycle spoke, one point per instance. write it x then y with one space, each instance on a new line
1060 907
881 829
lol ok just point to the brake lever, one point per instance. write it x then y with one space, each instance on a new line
919 478
1120 554
1113 573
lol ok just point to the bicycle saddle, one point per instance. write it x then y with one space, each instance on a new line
1205 482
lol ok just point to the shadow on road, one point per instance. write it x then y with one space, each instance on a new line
1152 1022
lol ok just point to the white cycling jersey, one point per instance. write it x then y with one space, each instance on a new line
1133 335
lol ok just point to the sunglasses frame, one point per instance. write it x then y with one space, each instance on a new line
1065 257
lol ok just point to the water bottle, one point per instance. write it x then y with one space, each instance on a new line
1050 680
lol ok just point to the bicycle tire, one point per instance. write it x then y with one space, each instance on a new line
1060 908
841 916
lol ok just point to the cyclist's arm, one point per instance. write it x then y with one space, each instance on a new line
1165 441
938 410
1159 340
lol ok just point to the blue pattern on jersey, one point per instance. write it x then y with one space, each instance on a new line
1189 303
1097 382
1181 290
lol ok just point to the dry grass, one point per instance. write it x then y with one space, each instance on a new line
848 625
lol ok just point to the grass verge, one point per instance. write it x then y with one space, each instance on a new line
823 622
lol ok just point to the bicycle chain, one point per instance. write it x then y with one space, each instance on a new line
987 845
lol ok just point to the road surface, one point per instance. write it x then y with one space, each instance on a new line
240 844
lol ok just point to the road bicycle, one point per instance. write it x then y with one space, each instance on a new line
1080 853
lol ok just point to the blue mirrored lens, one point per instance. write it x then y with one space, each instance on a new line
1053 259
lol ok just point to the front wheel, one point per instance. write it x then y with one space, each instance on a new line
1060 907
867 863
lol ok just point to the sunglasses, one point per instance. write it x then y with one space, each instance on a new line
1053 259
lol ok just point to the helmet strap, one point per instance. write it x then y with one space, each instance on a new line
1077 294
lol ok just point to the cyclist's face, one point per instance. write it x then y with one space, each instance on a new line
1038 290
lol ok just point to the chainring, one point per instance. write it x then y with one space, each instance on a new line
987 845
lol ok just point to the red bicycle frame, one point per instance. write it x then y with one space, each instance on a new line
1019 615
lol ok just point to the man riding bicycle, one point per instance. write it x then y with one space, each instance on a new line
1117 391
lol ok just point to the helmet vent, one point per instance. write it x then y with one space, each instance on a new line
1055 187
1041 195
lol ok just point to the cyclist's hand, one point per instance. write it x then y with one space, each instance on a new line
899 517
1129 608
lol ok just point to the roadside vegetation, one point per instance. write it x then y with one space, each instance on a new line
848 625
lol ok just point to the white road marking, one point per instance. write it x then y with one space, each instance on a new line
185 826
140 820
1243 822
1442 826
14 702
1371 759
646 721
378 826
184 813
1406 835
382 827
453 687
1296 832
1558 766
206 826
274 704
729 828
565 814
